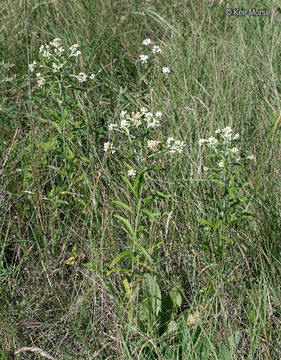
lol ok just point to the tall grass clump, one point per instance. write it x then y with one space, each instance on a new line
140 180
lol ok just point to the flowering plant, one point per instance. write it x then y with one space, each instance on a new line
132 141
226 161
56 78
56 66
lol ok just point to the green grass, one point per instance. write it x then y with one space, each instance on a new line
224 71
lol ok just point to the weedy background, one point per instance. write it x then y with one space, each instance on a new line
224 71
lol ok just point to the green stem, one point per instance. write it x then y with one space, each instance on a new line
137 217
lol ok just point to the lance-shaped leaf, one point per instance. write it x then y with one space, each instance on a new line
123 205
119 257
126 223
145 253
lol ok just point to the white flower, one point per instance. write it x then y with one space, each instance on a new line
156 49
158 114
82 77
218 131
250 157
74 47
136 119
236 136
92 76
146 42
179 146
227 129
175 145
170 140
235 150
143 110
227 132
77 53
74 51
152 144
32 66
46 53
153 123
108 146
136 116
41 80
123 113
212 140
59 50
132 173
124 124
56 67
221 164
205 168
56 42
202 141
143 58
136 122
166 70
148 116
112 126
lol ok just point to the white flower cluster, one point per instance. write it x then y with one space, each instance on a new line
40 80
223 146
225 133
135 120
57 59
175 145
132 173
81 77
74 50
108 146
145 120
155 50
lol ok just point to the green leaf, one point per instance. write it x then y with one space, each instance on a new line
139 174
152 293
176 297
147 200
170 303
130 186
49 145
172 327
206 222
161 195
126 223
69 152
141 228
144 317
149 214
119 257
55 125
123 205
144 252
